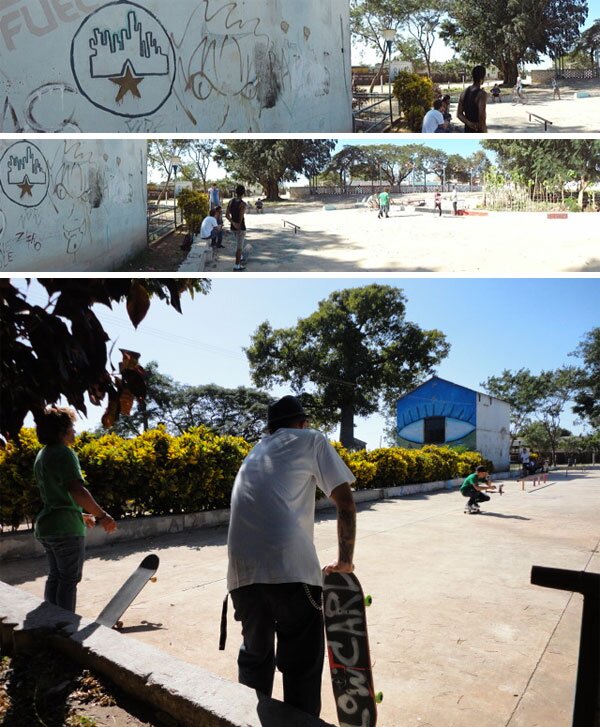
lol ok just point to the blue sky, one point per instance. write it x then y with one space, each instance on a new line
464 147
492 324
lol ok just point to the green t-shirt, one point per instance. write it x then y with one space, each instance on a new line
55 466
384 199
467 485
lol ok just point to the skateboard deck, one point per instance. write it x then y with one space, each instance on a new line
348 650
128 592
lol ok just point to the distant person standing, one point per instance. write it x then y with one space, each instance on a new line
454 199
555 89
236 211
214 196
384 204
438 202
472 105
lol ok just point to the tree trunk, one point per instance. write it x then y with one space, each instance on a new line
347 426
379 73
271 187
510 71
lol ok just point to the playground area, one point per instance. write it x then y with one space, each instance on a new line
339 235
459 636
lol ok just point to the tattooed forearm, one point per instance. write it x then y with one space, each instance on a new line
346 534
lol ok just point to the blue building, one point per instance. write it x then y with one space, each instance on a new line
444 413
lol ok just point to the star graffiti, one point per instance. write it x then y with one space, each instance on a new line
128 83
25 187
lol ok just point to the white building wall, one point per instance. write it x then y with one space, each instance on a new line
180 66
493 430
68 205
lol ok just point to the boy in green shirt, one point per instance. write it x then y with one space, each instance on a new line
474 487
384 203
60 526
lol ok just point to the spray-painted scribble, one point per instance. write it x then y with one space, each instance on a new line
71 205
193 65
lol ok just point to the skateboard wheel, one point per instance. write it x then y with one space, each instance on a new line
119 625
154 579
379 697
368 600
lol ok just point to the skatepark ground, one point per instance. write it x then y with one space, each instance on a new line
459 637
352 239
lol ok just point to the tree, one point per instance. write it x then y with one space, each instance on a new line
240 412
422 24
511 33
200 152
587 397
160 154
270 162
522 390
369 18
356 351
559 387
589 42
60 350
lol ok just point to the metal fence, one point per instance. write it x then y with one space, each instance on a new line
371 112
363 190
162 219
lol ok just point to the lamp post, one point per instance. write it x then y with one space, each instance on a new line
389 34
175 164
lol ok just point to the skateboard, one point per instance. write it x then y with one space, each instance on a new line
128 592
344 614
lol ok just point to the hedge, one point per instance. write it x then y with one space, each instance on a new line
160 474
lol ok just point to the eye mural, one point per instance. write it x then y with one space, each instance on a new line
123 60
438 412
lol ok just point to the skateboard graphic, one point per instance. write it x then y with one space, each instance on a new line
128 592
348 650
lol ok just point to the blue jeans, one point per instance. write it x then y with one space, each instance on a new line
283 610
65 556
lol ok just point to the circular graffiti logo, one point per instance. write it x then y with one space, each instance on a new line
24 174
123 60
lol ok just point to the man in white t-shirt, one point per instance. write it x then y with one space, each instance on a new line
433 120
274 575
212 230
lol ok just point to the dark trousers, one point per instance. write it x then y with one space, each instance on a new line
476 497
65 556
283 610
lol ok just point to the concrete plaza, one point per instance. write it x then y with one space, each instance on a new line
352 239
459 637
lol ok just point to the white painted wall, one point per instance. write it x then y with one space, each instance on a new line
493 430
180 66
71 205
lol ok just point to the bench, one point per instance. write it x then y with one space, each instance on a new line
287 223
541 119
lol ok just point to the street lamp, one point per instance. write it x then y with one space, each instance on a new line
389 34
175 164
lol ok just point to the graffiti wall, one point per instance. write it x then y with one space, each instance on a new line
71 205
189 65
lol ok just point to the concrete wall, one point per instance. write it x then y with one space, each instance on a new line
189 65
71 205
493 430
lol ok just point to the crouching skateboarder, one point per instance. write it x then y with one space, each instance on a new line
474 487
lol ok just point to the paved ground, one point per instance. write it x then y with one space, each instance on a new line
354 240
459 636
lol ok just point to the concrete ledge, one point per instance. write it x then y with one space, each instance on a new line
198 258
24 545
190 695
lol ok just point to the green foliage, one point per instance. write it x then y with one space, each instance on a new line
160 474
587 399
194 206
415 95
153 474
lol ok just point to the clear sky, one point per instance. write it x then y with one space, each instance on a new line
464 147
491 324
